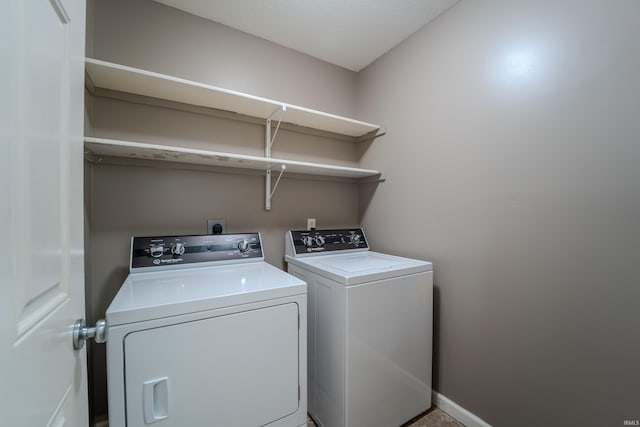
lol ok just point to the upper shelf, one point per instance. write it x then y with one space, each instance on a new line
141 82
139 150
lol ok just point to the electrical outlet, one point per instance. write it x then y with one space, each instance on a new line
311 223
216 226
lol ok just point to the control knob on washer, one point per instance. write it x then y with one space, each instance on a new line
307 241
177 248
354 239
243 245
319 240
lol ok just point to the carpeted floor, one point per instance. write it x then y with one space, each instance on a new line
434 417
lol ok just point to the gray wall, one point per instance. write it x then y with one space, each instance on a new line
126 199
512 156
152 36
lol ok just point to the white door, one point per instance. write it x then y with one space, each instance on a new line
42 379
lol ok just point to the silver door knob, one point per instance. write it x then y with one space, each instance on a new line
81 333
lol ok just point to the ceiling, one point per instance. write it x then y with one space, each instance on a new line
348 33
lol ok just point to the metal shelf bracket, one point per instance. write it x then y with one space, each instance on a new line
269 139
270 191
268 142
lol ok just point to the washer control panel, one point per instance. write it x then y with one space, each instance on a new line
165 251
309 241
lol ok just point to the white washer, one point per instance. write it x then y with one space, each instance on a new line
204 332
370 329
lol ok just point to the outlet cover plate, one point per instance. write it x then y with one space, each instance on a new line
212 222
311 223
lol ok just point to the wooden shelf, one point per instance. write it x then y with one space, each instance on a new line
107 75
138 150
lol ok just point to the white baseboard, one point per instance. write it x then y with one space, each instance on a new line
457 411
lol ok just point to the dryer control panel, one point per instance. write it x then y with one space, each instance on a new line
151 253
319 241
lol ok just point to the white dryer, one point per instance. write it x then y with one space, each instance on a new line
369 329
204 332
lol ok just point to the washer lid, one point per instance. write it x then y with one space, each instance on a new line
153 295
360 267
359 264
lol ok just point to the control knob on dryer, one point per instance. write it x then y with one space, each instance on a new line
319 240
354 239
156 251
177 248
243 245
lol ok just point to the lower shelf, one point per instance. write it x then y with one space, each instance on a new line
139 150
